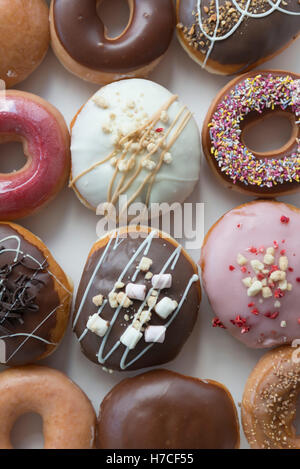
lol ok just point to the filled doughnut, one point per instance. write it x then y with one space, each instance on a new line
245 101
41 129
24 38
35 298
251 273
234 36
134 140
269 403
68 416
137 301
165 410
81 43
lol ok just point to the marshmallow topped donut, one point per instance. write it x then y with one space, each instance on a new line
269 405
137 301
24 38
167 410
68 416
35 298
41 129
80 39
243 102
233 36
134 138
251 273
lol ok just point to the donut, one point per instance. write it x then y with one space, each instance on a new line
81 43
245 101
233 36
250 263
134 138
68 416
269 403
165 410
41 129
35 298
137 301
24 38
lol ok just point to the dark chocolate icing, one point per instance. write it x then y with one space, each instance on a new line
254 39
82 34
165 410
103 283
27 297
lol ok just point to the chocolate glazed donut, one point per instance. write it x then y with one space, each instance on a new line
79 39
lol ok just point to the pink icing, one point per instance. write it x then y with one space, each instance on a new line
256 225
48 162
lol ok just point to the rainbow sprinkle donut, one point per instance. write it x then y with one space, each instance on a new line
240 104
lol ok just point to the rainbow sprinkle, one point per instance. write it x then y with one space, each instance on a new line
233 157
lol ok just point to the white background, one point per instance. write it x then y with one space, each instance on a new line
68 229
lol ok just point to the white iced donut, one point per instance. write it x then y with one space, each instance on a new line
134 138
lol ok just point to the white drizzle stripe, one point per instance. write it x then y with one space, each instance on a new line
243 13
32 333
123 366
18 242
26 335
123 273
92 278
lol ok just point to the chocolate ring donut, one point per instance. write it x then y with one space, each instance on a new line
240 104
80 40
167 410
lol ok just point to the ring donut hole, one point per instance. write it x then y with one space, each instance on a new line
115 25
270 134
27 432
13 155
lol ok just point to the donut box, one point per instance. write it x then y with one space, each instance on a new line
152 312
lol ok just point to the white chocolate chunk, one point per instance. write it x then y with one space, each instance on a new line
256 265
119 285
277 276
266 292
277 304
155 334
165 307
148 275
131 337
270 250
136 291
283 324
145 264
255 288
100 102
97 325
145 316
162 281
247 281
282 285
98 300
151 302
241 260
123 300
289 287
269 259
168 158
112 298
283 263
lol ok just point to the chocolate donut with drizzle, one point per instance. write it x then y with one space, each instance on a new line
167 410
234 36
133 139
35 298
137 301
81 43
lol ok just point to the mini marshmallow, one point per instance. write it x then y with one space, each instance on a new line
136 291
161 281
165 307
97 325
155 334
130 337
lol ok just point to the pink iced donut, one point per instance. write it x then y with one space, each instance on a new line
251 273
41 128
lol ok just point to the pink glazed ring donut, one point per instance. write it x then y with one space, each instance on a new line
41 129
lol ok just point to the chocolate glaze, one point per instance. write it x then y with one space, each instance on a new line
279 188
165 410
254 39
147 37
45 298
114 263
